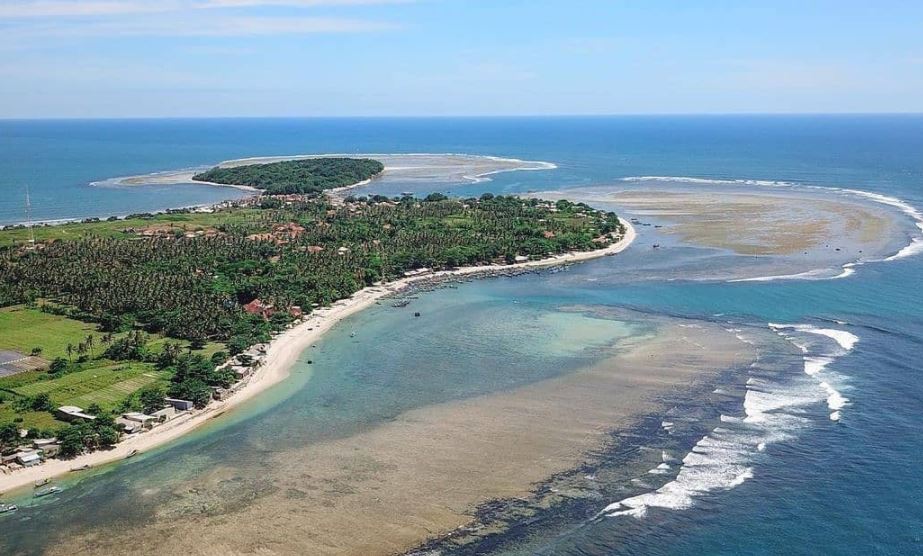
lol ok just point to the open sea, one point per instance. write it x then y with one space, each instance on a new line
822 459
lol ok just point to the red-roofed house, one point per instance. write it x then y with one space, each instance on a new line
257 307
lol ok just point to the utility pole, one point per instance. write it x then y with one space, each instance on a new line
29 220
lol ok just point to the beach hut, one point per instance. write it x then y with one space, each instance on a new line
28 459
72 413
179 405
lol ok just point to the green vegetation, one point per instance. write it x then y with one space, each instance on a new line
127 312
303 253
173 222
311 175
89 378
23 329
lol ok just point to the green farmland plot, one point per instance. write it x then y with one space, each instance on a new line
110 396
22 329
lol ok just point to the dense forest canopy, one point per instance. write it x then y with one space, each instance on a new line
193 282
311 175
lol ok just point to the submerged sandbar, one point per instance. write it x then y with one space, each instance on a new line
386 489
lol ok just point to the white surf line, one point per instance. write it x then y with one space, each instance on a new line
774 408
815 365
915 246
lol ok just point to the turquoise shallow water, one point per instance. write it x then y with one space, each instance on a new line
845 487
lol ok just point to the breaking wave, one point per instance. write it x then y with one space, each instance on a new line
776 406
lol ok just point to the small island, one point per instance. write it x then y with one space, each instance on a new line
304 176
111 328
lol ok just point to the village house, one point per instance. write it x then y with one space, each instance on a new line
50 450
291 230
241 371
72 413
29 458
179 405
128 427
257 307
166 414
146 421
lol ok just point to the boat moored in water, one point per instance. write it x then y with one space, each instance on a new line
47 492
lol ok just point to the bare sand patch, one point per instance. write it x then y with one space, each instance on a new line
388 488
758 224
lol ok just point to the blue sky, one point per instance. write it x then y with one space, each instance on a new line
160 58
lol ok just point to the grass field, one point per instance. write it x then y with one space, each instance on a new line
110 396
82 382
22 329
28 419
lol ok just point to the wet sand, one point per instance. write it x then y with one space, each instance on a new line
762 224
388 488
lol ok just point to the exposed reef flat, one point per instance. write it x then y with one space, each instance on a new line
388 488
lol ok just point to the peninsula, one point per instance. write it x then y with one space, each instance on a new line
122 334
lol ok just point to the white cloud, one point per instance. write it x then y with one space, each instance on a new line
254 26
219 26
29 21
66 8
295 3
27 9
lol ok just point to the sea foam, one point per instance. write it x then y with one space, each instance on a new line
776 407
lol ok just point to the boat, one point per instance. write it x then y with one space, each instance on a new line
132 454
47 492
41 482
7 508
83 467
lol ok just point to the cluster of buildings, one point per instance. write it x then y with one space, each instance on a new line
242 366
133 422
32 455
266 310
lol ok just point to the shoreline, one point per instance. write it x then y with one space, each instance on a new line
282 353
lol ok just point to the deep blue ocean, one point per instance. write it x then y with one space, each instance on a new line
850 487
